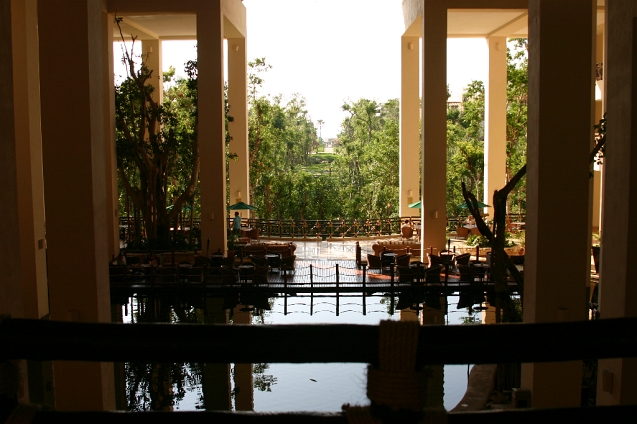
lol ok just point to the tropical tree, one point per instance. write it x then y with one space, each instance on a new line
367 163
157 146
465 146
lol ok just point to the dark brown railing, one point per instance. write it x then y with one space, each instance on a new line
547 342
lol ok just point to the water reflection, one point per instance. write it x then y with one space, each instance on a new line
271 387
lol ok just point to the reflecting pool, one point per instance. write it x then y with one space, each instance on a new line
271 387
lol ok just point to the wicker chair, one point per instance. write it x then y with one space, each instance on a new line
287 263
260 275
406 274
374 262
403 260
407 233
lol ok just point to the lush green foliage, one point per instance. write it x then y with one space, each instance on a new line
367 166
517 96
290 179
465 135
157 147
465 147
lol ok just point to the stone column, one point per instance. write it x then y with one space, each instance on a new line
409 125
28 144
434 125
212 148
559 141
12 292
74 43
618 290
495 119
239 169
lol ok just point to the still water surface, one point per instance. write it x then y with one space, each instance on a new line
290 387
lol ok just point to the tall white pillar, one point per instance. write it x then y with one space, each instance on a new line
559 142
618 288
239 169
409 125
495 119
434 125
212 146
75 109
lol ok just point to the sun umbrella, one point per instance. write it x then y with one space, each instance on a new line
185 207
241 206
480 205
417 205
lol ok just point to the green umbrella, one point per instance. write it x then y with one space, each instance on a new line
480 205
185 207
241 206
417 205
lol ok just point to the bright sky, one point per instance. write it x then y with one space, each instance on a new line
331 51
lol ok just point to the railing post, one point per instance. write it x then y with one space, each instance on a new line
364 265
311 277
391 272
337 293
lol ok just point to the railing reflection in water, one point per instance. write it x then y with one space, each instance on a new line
242 387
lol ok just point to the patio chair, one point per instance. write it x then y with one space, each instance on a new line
462 232
260 275
406 233
259 260
434 260
406 274
202 260
194 274
287 263
374 262
463 259
403 260
432 274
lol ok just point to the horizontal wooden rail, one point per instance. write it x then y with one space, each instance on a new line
462 344
592 415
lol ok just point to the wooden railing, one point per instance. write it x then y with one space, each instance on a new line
547 342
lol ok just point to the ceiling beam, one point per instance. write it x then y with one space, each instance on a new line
512 26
